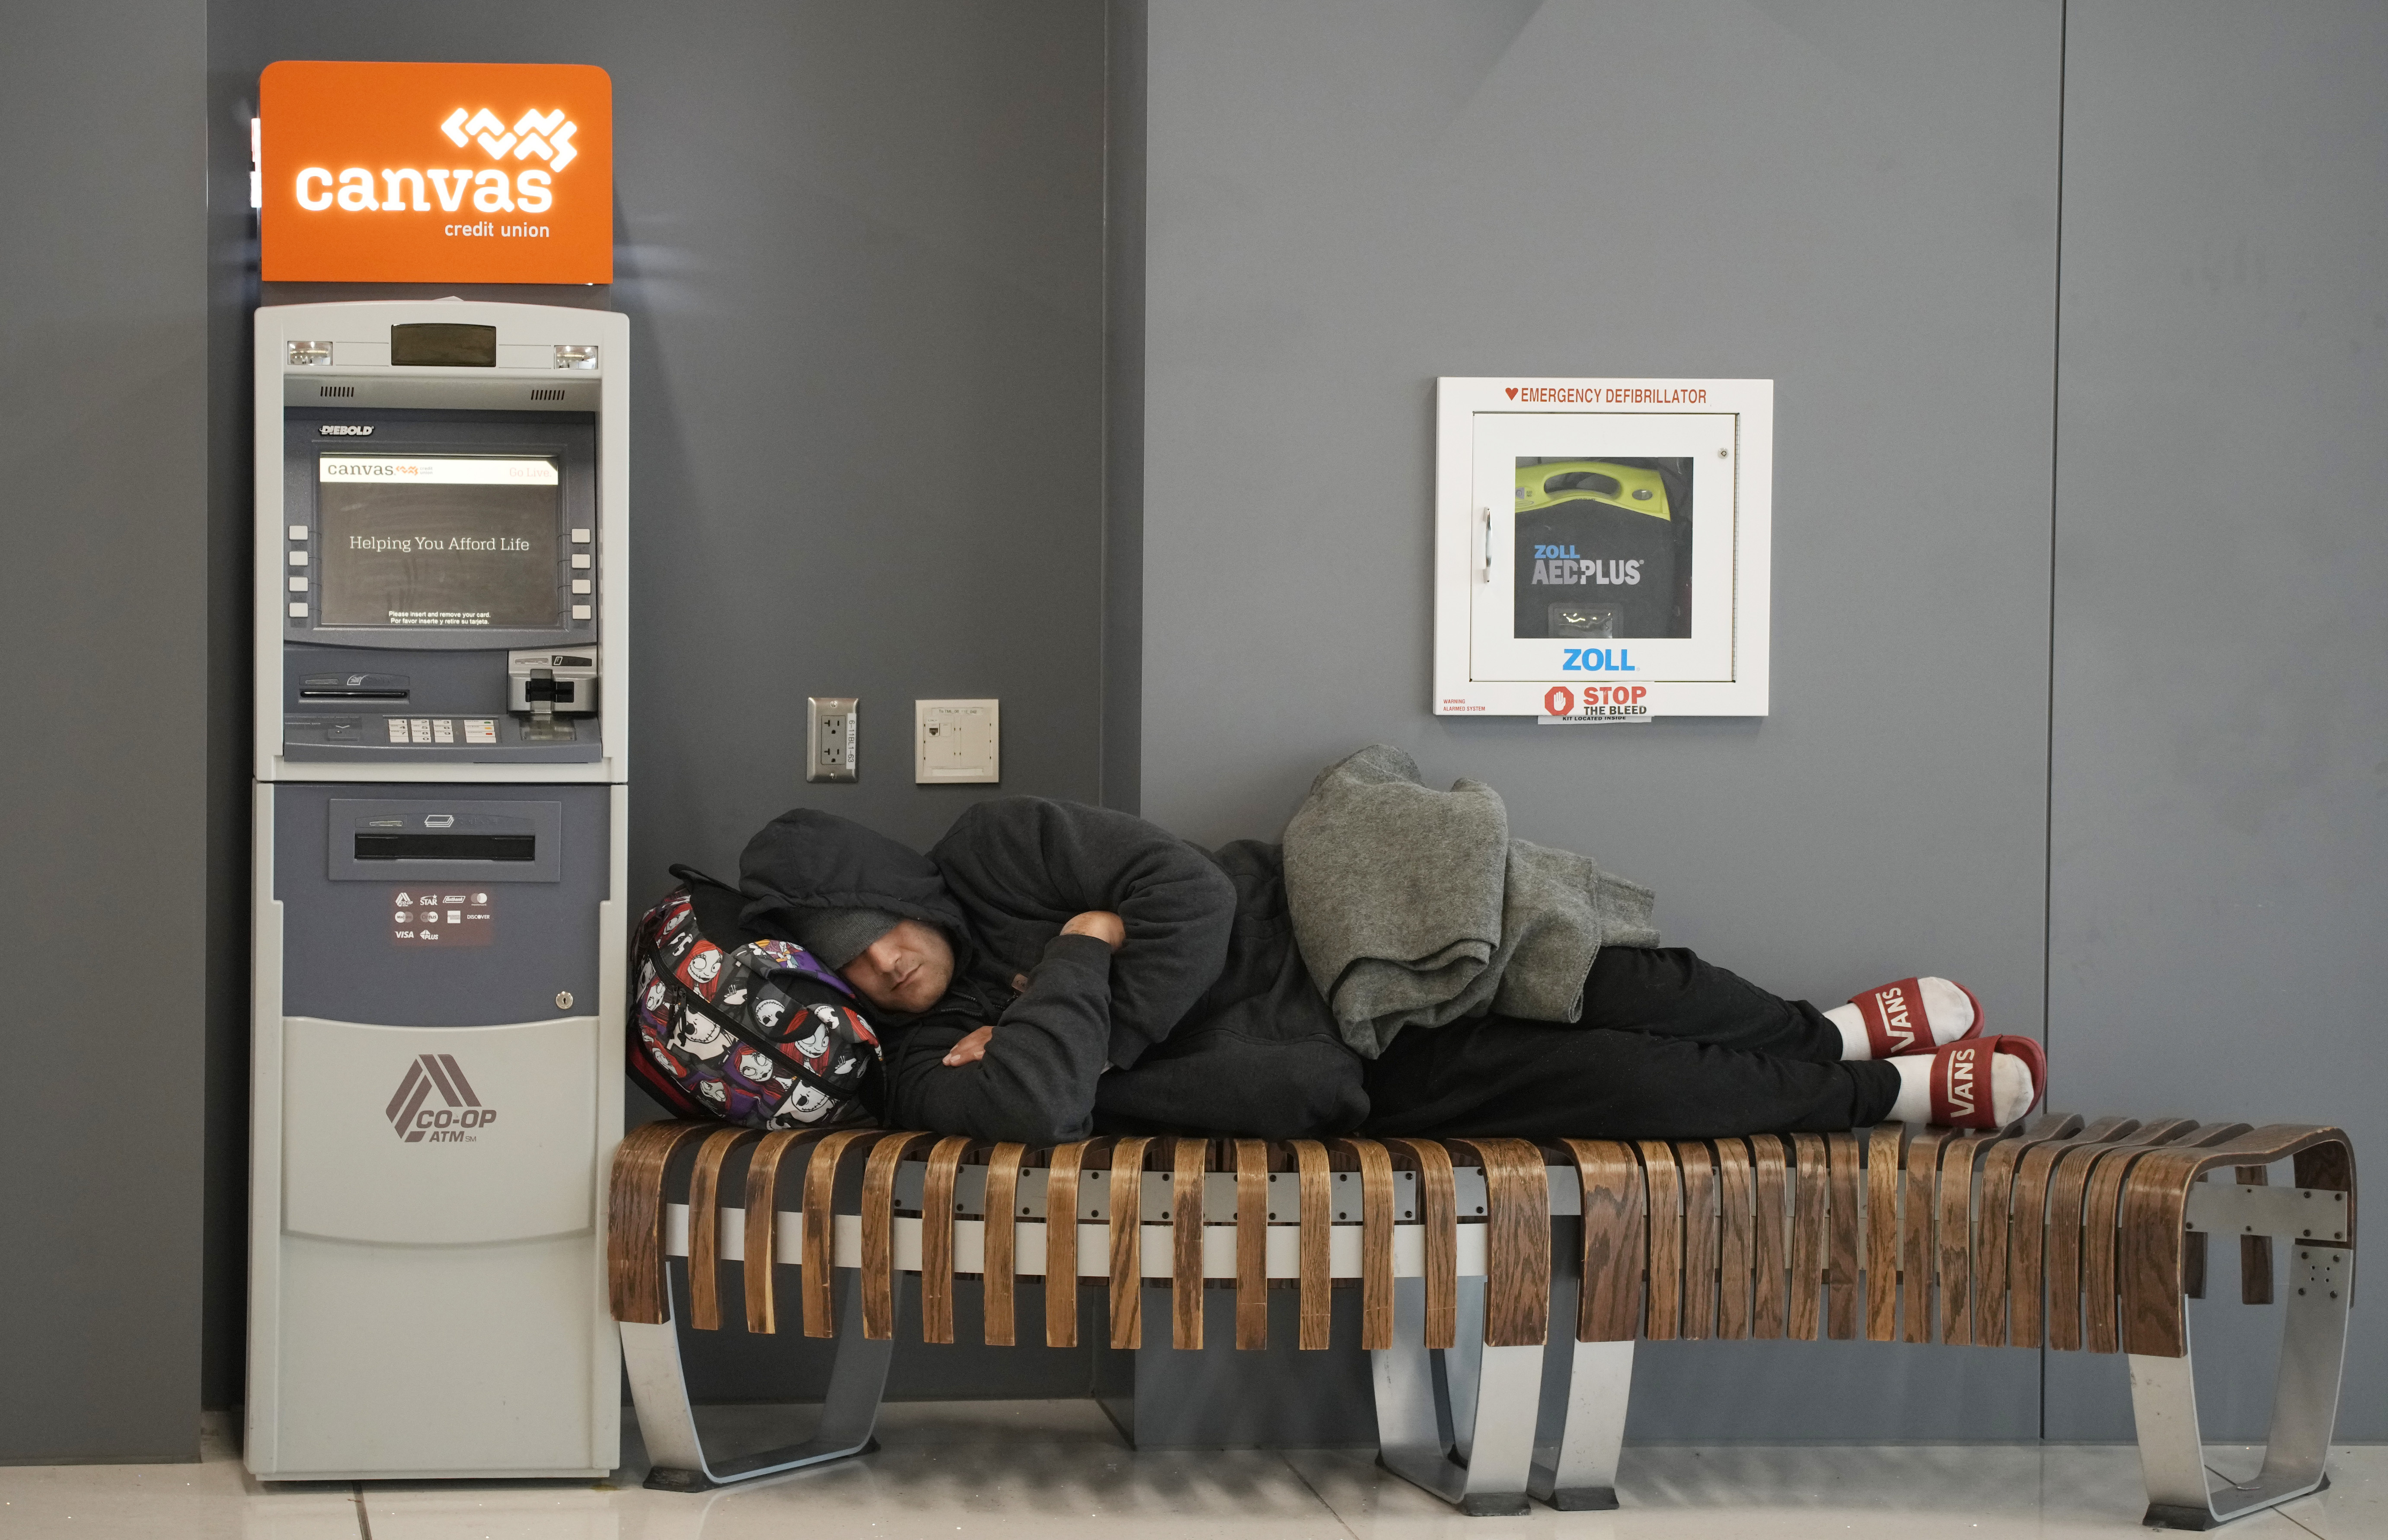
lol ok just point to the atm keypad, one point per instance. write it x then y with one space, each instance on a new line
444 731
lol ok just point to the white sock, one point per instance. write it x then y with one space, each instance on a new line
2010 1089
1948 1014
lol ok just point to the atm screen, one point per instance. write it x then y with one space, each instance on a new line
438 540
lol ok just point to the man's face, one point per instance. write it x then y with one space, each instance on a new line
906 971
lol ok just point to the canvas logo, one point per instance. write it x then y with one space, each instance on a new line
546 135
415 1123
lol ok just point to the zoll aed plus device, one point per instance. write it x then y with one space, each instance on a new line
438 877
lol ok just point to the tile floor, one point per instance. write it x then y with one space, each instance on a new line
1052 1470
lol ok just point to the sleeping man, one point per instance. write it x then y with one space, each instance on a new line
1051 970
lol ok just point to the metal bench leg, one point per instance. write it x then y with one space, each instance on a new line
1595 1379
668 1423
2304 1407
1487 1396
1585 1385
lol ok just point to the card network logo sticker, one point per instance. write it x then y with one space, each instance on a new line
415 1123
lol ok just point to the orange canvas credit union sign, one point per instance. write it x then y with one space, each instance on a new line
435 173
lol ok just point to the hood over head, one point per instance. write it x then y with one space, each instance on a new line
805 860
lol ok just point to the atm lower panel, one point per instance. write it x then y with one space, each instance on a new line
427 1250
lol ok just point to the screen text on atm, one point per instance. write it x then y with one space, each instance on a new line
438 540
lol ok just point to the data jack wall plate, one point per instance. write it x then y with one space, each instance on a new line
1603 548
832 723
957 741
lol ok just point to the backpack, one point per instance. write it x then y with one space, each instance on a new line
748 1029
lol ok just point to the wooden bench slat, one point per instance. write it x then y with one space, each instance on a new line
1810 1244
1918 1247
1516 1241
2028 1228
1002 1246
1959 1161
1126 1181
1439 1220
937 1181
636 1281
1189 1160
1845 1182
1061 1179
1251 1245
1991 1224
2154 1206
879 1231
1736 1237
1615 1235
1882 1179
1698 1165
762 1201
2102 1237
1315 1184
1664 1264
1768 1251
705 1226
1376 1242
820 1225
2068 1192
1953 1199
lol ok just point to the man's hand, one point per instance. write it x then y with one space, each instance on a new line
1101 924
971 1048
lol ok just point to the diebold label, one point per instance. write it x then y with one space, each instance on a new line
479 173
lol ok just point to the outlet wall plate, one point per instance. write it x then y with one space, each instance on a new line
957 741
830 722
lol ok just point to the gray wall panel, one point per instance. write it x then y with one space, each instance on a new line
2221 725
1855 199
861 247
103 455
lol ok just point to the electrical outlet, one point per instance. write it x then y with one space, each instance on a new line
828 737
956 740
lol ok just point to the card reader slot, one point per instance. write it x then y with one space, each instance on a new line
446 847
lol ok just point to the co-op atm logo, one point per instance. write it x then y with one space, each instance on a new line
417 1122
493 189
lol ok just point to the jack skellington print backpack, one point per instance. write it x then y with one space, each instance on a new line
748 1029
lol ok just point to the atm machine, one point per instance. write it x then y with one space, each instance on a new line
442 775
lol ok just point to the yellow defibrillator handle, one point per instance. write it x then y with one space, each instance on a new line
1628 487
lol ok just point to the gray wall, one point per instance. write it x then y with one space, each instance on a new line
104 542
1856 200
861 249
2221 727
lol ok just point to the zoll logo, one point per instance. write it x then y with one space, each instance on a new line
417 1122
435 172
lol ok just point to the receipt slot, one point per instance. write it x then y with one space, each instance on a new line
438 878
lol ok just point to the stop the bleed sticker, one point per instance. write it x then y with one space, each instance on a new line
1595 703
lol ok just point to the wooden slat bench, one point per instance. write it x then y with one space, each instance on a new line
1511 1263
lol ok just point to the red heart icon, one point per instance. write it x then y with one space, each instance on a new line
1513 393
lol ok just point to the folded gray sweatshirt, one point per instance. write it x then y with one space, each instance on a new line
1414 907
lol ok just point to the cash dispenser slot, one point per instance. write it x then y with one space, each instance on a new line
446 847
445 839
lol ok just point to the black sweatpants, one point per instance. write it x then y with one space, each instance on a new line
1668 1047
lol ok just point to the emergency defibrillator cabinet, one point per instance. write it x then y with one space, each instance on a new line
1602 547
439 875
